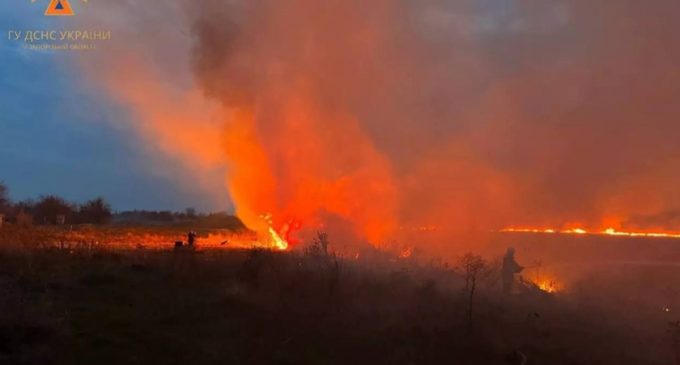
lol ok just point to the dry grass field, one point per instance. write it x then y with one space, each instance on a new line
143 302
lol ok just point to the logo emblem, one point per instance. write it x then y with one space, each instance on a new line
59 7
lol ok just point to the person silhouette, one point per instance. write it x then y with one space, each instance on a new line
510 268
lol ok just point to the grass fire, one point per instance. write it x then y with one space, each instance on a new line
138 287
340 181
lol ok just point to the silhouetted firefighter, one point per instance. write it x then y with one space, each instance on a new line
191 238
510 268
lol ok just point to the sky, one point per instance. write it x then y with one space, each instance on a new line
59 135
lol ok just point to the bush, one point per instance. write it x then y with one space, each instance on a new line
95 211
50 207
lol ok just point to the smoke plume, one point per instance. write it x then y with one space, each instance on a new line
398 117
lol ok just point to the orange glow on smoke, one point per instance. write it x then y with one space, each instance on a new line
293 171
296 170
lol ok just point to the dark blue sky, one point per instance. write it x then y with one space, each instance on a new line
59 136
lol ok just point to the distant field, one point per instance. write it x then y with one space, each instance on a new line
123 237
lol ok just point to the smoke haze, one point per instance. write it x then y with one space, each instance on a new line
398 116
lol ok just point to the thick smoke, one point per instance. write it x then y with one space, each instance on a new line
392 116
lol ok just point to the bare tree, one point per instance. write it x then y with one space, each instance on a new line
472 267
4 199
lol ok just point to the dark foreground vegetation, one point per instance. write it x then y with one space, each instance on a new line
101 305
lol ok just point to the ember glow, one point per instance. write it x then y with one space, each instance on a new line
406 253
547 285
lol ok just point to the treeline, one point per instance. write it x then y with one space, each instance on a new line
52 209
160 216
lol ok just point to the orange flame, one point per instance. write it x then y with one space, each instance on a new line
281 239
606 232
547 285
279 243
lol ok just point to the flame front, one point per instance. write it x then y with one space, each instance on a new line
581 231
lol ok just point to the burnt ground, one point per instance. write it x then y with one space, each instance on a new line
256 307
